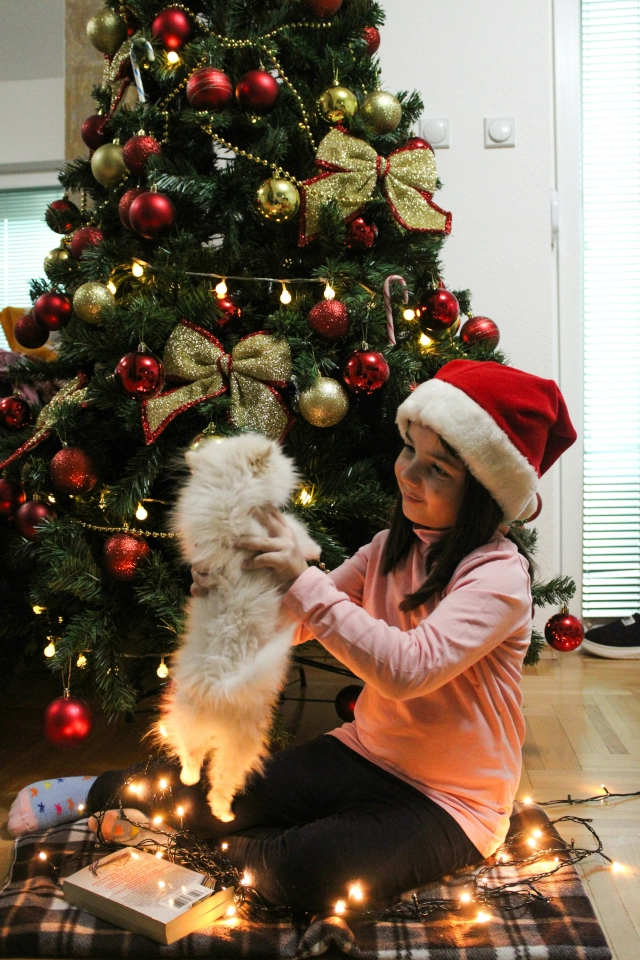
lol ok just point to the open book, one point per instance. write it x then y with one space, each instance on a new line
142 893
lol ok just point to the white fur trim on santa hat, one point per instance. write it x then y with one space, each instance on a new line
476 437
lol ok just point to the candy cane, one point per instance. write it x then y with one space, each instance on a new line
394 278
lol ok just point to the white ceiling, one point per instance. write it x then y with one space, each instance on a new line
31 39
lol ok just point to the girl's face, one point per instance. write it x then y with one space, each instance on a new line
430 479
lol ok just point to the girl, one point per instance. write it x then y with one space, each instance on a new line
435 616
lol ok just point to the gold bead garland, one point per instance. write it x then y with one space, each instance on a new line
132 530
277 171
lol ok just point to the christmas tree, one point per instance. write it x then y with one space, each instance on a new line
255 246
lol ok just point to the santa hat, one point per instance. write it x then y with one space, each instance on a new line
507 426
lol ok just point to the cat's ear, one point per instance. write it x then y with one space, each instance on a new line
259 462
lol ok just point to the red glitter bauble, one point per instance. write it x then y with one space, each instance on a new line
30 333
67 721
257 91
346 701
141 375
15 413
137 150
417 143
329 319
73 471
360 234
125 203
480 330
29 515
52 310
564 632
93 133
173 28
152 215
230 310
365 371
371 36
209 89
323 8
12 495
84 238
123 553
438 313
62 216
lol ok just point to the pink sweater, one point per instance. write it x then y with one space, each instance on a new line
441 708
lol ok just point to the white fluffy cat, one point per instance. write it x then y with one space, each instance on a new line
234 655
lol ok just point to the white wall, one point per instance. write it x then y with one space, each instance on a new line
32 121
473 60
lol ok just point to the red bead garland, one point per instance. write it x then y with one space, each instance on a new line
209 89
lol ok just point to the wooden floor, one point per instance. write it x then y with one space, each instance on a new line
583 729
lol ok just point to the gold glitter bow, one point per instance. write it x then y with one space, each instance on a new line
73 393
256 366
407 176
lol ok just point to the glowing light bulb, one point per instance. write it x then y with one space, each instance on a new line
409 314
285 296
134 787
618 867
81 661
231 912
221 289
527 800
159 854
305 497
483 917
329 292
163 731
532 843
161 884
137 269
42 855
224 846
340 907
503 858
247 879
141 513
163 784
537 833
80 807
111 287
180 811
38 610
424 340
173 57
356 892
157 819
465 898
134 855
556 859
50 649
163 670
51 498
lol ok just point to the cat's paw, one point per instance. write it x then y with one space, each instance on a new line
189 774
220 807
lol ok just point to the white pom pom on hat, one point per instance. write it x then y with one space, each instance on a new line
507 426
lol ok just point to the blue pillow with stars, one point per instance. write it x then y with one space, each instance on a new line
48 802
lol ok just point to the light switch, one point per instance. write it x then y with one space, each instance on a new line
499 132
436 132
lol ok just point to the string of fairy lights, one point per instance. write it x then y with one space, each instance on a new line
537 852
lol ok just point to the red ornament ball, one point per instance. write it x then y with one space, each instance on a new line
141 375
209 89
480 330
361 235
346 701
417 143
365 371
229 309
173 28
564 632
371 36
29 515
152 215
125 203
62 216
438 312
67 721
323 8
329 319
12 496
52 310
93 132
257 91
15 413
30 333
85 238
137 151
73 471
123 553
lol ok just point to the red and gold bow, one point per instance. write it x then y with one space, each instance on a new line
256 366
407 176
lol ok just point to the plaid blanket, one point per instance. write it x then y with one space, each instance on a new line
36 922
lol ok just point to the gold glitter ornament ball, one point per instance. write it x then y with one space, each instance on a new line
278 199
203 439
381 112
90 299
107 31
57 255
324 403
107 164
337 103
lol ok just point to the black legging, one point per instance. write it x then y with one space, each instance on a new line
333 818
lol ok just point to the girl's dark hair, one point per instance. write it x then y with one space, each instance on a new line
478 519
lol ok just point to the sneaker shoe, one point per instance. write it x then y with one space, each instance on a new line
618 640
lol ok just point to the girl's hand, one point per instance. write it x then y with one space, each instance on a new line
279 550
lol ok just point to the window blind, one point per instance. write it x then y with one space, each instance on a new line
611 182
24 240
